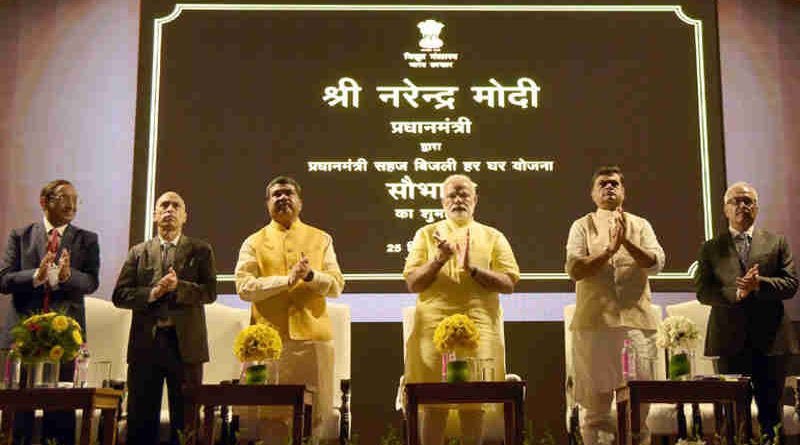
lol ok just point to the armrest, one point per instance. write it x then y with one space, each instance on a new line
344 410
400 399
791 393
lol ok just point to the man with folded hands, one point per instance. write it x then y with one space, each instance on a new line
457 265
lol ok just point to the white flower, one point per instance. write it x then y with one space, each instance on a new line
606 438
677 332
694 441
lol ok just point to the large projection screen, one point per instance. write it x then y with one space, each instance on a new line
371 106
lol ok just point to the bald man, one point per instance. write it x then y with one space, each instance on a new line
166 282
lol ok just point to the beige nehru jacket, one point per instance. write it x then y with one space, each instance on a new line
618 296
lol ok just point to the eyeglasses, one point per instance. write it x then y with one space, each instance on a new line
62 199
744 201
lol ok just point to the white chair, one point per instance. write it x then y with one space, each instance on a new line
494 427
698 314
225 322
658 419
340 320
107 330
704 365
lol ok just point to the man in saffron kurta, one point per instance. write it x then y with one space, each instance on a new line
457 266
287 269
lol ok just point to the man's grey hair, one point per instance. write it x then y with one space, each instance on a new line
459 177
736 185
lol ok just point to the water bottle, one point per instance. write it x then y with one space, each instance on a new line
81 379
628 360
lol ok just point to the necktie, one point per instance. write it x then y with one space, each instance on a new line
167 256
52 242
743 247
52 247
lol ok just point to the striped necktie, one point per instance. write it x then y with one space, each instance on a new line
742 241
52 247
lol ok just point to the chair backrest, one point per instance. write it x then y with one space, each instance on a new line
569 313
408 326
698 314
493 426
107 331
223 323
340 321
409 313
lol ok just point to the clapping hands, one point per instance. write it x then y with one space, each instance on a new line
64 272
299 270
166 284
747 283
55 273
446 249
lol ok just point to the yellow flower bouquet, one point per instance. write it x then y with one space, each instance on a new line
454 337
49 336
256 344
456 332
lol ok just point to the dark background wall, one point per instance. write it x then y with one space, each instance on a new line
67 105
68 95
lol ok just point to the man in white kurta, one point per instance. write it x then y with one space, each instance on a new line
457 266
610 254
286 270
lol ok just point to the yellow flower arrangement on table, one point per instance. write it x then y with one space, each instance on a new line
257 343
455 336
49 336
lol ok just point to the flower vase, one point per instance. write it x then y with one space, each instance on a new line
681 363
457 367
260 372
41 374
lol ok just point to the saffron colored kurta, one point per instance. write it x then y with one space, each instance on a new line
298 312
455 291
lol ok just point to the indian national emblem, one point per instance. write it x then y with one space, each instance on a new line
430 30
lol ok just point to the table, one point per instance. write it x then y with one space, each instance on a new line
734 396
510 394
64 399
297 396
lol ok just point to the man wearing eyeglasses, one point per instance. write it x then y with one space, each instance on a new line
49 266
744 274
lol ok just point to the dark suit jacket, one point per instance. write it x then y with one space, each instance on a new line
759 319
197 286
24 251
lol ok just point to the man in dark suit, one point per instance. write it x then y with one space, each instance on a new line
744 275
166 281
51 265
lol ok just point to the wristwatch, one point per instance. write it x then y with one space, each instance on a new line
309 276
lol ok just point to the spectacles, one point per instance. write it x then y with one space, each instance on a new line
62 199
745 201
